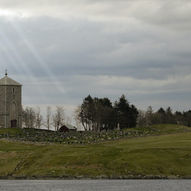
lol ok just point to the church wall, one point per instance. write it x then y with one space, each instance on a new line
13 97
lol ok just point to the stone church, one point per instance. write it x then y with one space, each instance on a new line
10 103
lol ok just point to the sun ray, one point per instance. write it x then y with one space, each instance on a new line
16 61
14 57
38 58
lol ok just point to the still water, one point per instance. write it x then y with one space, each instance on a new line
95 185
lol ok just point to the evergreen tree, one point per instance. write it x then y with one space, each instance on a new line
126 114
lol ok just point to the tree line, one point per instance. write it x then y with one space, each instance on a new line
163 116
98 114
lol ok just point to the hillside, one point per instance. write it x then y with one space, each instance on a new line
139 157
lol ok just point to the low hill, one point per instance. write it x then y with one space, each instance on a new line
137 157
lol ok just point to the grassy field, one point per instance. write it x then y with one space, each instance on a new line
139 157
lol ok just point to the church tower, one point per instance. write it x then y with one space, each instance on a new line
10 103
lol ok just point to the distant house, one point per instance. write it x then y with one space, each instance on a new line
67 128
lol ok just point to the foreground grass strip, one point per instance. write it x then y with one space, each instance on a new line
157 156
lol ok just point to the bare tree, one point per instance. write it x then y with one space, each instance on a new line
149 116
58 118
77 117
38 118
29 117
48 117
141 119
68 120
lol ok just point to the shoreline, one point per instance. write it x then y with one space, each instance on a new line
146 177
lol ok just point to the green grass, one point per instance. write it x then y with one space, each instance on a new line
12 131
161 156
170 128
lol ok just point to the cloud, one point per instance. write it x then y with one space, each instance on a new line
170 13
61 51
156 10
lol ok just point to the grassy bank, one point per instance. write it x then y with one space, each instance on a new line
151 156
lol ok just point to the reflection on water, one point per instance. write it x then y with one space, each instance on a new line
95 185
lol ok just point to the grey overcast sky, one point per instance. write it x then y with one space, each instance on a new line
63 50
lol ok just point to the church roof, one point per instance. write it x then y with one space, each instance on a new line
6 81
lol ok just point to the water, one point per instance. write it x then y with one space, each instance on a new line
95 185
